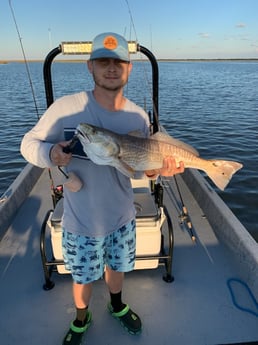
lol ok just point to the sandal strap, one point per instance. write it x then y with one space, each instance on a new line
85 327
122 312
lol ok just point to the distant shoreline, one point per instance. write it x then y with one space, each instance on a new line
4 62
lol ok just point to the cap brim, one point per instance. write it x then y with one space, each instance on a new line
104 53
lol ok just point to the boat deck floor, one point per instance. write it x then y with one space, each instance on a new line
196 308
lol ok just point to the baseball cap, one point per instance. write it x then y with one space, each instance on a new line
110 45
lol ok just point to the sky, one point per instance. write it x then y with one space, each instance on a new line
176 29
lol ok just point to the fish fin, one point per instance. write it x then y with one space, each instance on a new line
173 141
137 133
220 172
124 168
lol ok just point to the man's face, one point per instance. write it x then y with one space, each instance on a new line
110 74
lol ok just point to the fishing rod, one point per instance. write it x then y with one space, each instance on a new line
55 191
154 107
183 214
25 59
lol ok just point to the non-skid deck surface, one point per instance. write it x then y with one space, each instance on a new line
195 309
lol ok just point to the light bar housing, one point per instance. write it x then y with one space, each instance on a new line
85 47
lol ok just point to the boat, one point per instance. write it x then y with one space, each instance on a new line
198 287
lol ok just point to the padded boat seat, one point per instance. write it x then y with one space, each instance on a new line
57 215
145 207
149 220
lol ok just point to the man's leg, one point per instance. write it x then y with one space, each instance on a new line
81 295
114 280
129 319
121 256
83 276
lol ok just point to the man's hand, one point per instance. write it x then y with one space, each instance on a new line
57 156
169 168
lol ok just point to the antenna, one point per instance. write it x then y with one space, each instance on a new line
50 38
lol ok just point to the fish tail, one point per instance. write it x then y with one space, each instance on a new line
220 172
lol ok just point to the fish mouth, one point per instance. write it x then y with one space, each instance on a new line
80 134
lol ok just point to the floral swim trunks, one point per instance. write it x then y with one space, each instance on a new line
86 257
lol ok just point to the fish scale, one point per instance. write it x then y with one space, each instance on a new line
153 152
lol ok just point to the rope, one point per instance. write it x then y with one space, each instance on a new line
230 283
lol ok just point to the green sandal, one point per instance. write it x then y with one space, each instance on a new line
128 319
75 334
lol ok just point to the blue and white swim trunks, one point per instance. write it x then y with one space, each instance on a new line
86 257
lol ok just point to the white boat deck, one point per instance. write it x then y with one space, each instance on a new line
196 309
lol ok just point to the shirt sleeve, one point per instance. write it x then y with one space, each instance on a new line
37 143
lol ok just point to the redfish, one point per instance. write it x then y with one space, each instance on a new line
130 152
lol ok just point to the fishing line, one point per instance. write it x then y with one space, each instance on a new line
148 83
132 21
24 57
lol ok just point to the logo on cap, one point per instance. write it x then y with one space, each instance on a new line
110 42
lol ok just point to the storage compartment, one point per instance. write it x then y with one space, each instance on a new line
148 233
56 235
149 220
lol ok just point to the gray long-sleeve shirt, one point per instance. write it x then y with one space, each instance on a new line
105 202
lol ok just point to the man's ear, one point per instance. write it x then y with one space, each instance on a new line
90 66
130 67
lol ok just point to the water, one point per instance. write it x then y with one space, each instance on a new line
210 105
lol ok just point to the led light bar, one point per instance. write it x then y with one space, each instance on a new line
132 47
72 48
85 47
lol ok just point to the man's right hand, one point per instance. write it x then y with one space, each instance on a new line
57 155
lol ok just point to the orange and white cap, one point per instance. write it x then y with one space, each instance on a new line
110 45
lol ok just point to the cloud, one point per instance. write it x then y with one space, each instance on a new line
240 25
204 35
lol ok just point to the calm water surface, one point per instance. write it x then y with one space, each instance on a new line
211 105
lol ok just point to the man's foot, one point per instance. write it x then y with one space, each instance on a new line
75 334
128 319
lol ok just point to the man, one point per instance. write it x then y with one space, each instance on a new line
99 220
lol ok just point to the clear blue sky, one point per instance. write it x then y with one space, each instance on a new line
171 28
